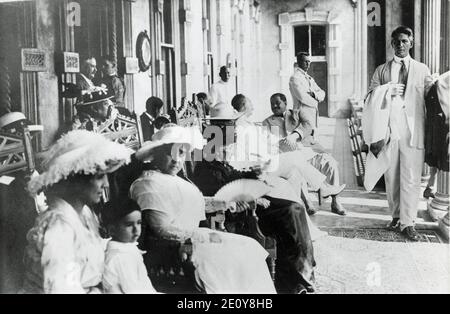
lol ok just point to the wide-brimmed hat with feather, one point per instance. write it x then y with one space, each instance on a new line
79 152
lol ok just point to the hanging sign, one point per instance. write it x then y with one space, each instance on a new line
34 60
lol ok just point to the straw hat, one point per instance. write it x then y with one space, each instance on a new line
171 134
79 151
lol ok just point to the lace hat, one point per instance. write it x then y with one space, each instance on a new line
79 151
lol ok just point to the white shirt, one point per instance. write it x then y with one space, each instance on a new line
397 65
220 93
397 120
125 271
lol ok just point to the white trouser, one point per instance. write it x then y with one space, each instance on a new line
404 175
328 166
285 164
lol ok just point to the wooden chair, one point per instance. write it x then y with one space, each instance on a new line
17 209
123 130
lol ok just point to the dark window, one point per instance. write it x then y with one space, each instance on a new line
318 40
167 22
301 34
311 39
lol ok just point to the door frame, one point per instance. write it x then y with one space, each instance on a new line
314 59
287 21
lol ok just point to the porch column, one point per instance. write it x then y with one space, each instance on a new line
444 226
360 50
431 34
438 207
363 81
431 51
284 46
186 47
425 173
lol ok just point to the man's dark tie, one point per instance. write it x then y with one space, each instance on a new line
403 75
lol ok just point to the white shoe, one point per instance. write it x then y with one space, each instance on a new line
331 190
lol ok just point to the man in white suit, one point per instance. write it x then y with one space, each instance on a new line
305 92
408 81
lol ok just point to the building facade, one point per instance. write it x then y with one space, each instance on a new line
170 49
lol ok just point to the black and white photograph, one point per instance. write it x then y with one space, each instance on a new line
242 148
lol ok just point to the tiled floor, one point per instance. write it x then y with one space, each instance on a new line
358 265
364 209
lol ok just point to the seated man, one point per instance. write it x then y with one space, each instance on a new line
95 109
283 123
286 161
153 108
84 80
282 219
205 100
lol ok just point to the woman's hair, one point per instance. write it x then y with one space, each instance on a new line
67 185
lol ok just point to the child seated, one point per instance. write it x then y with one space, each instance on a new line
124 271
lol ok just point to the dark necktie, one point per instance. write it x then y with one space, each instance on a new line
403 75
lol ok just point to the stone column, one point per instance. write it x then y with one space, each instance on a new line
363 6
445 35
444 226
438 207
425 173
431 34
360 49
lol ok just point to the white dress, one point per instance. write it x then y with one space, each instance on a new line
125 271
65 253
235 265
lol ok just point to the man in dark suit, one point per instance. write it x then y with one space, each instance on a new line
153 109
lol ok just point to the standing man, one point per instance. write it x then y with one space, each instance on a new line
112 81
305 92
220 93
153 108
407 81
93 111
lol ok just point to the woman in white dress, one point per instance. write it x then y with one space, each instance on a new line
65 253
173 208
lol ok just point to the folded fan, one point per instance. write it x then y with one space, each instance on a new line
246 190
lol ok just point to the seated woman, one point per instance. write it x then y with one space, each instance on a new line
65 253
173 209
